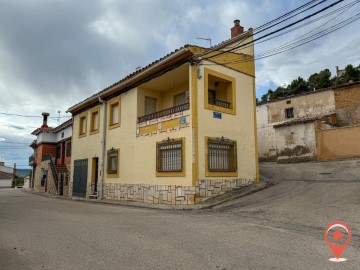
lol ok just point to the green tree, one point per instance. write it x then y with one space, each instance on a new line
298 86
320 80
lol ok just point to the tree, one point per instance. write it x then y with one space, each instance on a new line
320 80
297 86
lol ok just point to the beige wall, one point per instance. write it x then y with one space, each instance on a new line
239 127
338 143
137 154
305 106
296 143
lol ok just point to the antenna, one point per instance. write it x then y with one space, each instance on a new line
206 39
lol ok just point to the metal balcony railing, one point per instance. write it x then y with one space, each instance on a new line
169 111
31 160
219 103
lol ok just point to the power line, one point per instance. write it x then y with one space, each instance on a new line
271 33
292 45
34 116
12 142
343 9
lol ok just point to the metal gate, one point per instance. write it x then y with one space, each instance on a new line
80 177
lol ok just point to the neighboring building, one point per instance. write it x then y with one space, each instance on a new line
177 131
7 175
52 158
26 182
297 128
339 72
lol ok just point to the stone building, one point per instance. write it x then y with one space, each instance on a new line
296 128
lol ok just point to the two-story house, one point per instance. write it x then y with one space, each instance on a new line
177 131
52 158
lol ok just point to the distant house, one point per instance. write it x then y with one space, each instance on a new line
177 131
51 158
7 175
318 125
26 182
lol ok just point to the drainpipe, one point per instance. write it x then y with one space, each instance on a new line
103 151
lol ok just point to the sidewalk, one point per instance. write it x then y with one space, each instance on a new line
228 196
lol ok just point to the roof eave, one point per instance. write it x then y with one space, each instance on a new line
118 86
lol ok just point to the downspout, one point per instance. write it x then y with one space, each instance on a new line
100 187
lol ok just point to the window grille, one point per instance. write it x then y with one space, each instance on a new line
112 158
289 113
170 156
222 155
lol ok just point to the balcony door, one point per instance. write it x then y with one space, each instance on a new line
150 105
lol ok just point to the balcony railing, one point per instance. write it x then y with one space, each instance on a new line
219 103
32 160
166 112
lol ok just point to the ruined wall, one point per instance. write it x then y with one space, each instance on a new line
296 143
307 105
338 143
347 105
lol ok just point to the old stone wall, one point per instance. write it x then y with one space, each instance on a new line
347 105
172 194
296 143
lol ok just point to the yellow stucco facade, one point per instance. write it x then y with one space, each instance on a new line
132 173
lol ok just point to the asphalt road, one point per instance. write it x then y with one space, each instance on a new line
277 228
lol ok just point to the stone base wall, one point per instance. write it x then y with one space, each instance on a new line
37 179
172 194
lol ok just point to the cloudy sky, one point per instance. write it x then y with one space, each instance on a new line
55 53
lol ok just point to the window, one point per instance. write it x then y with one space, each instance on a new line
62 135
82 128
58 151
180 99
114 114
150 105
222 155
68 149
169 155
112 161
44 174
289 113
219 92
94 121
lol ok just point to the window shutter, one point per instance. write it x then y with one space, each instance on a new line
150 105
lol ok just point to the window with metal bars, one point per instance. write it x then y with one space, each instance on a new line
169 156
112 161
222 155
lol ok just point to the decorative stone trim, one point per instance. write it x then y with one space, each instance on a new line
172 194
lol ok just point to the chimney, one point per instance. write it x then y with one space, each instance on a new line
45 116
237 29
14 172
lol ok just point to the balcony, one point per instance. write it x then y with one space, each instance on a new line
32 160
166 112
219 103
